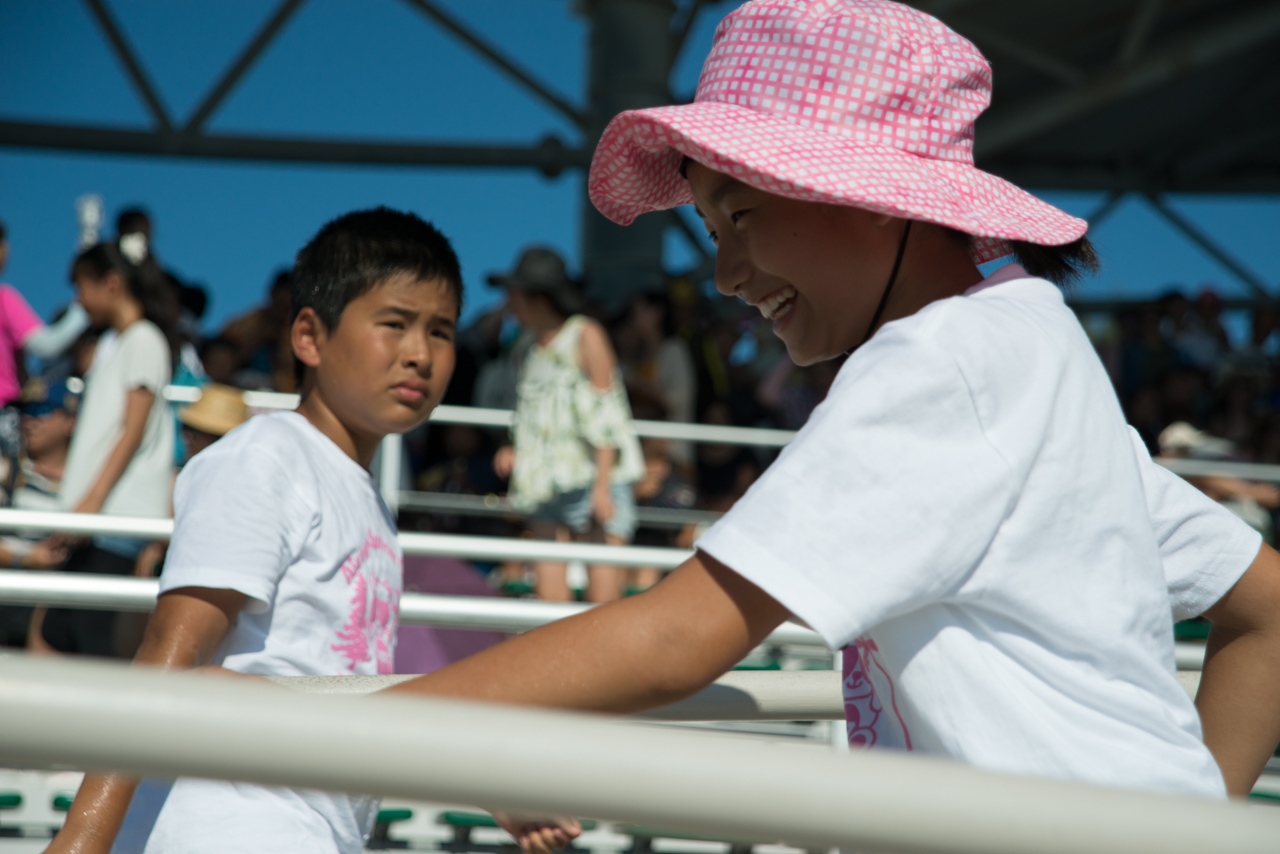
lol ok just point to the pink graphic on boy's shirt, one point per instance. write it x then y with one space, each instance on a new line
864 713
369 634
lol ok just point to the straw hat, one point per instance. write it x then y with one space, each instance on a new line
219 410
865 103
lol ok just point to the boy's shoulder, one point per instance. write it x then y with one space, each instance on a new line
282 437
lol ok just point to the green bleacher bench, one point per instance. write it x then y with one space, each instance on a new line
382 826
62 802
464 822
10 800
642 838
1188 630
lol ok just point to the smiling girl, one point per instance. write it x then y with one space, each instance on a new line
966 515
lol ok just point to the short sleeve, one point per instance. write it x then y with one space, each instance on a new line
1204 547
145 360
17 315
238 523
849 526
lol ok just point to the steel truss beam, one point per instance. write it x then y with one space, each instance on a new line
1008 128
550 156
124 52
489 52
1214 249
242 64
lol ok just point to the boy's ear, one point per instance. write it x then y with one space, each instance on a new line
308 336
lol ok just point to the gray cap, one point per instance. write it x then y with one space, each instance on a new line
542 271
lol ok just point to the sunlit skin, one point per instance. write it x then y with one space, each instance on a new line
386 364
837 258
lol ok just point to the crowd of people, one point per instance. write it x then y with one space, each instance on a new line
1190 393
679 353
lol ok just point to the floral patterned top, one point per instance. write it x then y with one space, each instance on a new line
561 418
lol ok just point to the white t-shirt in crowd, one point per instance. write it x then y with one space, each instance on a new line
276 511
965 515
138 359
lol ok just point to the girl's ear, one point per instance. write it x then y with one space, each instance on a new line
308 336
114 283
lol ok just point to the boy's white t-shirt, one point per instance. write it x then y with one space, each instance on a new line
276 511
966 516
139 358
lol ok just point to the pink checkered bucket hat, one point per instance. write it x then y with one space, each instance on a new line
866 103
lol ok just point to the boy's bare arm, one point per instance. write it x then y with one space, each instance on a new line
637 653
1239 696
184 631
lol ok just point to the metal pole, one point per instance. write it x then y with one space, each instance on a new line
389 471
628 67
138 721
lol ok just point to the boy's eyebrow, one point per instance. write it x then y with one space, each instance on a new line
446 320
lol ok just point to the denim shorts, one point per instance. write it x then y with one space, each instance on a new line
573 510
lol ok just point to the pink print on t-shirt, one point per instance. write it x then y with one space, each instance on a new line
375 608
864 716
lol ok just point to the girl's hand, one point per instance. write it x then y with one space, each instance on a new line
602 502
539 836
504 461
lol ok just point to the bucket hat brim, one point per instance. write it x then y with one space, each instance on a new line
636 169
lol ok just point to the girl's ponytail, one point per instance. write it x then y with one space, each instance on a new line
148 284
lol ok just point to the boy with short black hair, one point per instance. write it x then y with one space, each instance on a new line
284 560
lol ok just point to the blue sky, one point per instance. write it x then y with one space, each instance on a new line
378 69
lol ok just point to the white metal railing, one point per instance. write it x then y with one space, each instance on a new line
123 593
439 545
480 417
77 714
739 695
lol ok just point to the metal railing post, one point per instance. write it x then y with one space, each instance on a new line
389 471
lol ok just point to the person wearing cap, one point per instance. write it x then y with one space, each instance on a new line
574 454
29 481
219 410
966 516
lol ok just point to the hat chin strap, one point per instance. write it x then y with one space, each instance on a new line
888 288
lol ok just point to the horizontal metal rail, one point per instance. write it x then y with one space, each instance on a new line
1200 468
740 695
480 417
438 545
102 716
500 506
124 593
708 433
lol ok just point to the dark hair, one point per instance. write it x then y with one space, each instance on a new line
355 252
1062 265
147 283
3 234
133 220
212 344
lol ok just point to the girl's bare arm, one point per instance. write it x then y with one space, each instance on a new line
185 630
1239 696
136 409
638 653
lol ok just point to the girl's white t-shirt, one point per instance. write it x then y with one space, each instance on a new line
278 512
968 517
